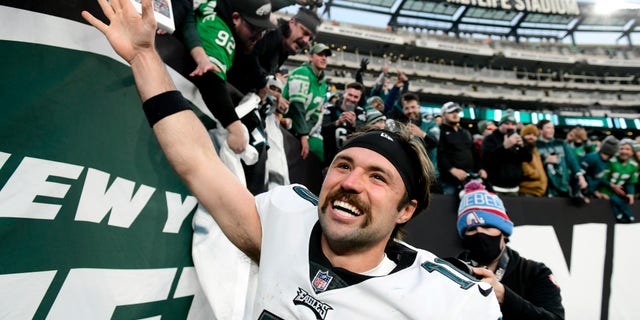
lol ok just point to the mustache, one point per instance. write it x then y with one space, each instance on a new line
350 197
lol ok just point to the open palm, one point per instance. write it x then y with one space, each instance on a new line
128 33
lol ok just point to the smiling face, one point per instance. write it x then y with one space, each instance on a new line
411 109
319 60
548 131
299 38
351 96
625 152
359 201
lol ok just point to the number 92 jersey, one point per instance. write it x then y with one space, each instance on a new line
427 288
217 39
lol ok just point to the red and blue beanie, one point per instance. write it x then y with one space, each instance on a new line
478 207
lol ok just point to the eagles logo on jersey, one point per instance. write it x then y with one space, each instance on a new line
319 308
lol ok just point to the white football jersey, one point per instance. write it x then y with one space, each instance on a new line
290 288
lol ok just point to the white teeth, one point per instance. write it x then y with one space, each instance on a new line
344 205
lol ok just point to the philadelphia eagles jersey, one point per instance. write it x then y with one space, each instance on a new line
619 173
306 94
295 282
217 38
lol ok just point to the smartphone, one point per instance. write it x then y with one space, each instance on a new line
350 107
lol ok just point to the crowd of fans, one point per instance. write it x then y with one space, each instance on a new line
234 57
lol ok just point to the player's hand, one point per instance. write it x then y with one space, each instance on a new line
129 33
631 198
236 138
489 277
304 145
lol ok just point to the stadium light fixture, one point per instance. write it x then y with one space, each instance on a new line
607 7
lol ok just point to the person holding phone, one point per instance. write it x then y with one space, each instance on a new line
341 119
503 153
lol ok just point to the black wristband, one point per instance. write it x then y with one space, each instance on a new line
164 105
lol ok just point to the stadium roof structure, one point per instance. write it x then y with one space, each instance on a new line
516 19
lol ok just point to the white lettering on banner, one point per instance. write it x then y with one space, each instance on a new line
21 293
95 293
97 199
102 290
177 211
189 285
29 181
433 44
625 282
537 56
581 285
584 122
569 7
3 158
362 34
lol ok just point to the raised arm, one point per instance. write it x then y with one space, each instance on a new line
181 135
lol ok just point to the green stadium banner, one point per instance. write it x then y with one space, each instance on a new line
93 222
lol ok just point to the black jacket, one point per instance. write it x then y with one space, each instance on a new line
503 166
530 291
334 137
456 150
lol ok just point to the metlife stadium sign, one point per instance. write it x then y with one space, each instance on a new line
565 7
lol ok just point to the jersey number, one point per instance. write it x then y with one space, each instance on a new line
430 266
225 40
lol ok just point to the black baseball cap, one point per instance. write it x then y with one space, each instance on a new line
256 12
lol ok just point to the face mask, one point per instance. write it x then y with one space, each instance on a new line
483 248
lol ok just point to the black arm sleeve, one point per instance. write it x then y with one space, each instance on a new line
216 96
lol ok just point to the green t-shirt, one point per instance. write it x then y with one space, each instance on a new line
306 94
217 38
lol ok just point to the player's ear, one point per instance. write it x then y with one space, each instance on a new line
407 212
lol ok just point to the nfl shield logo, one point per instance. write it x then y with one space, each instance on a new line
321 281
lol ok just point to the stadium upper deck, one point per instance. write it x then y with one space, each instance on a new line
496 68
511 19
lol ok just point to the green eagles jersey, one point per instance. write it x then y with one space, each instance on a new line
306 94
217 38
620 174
